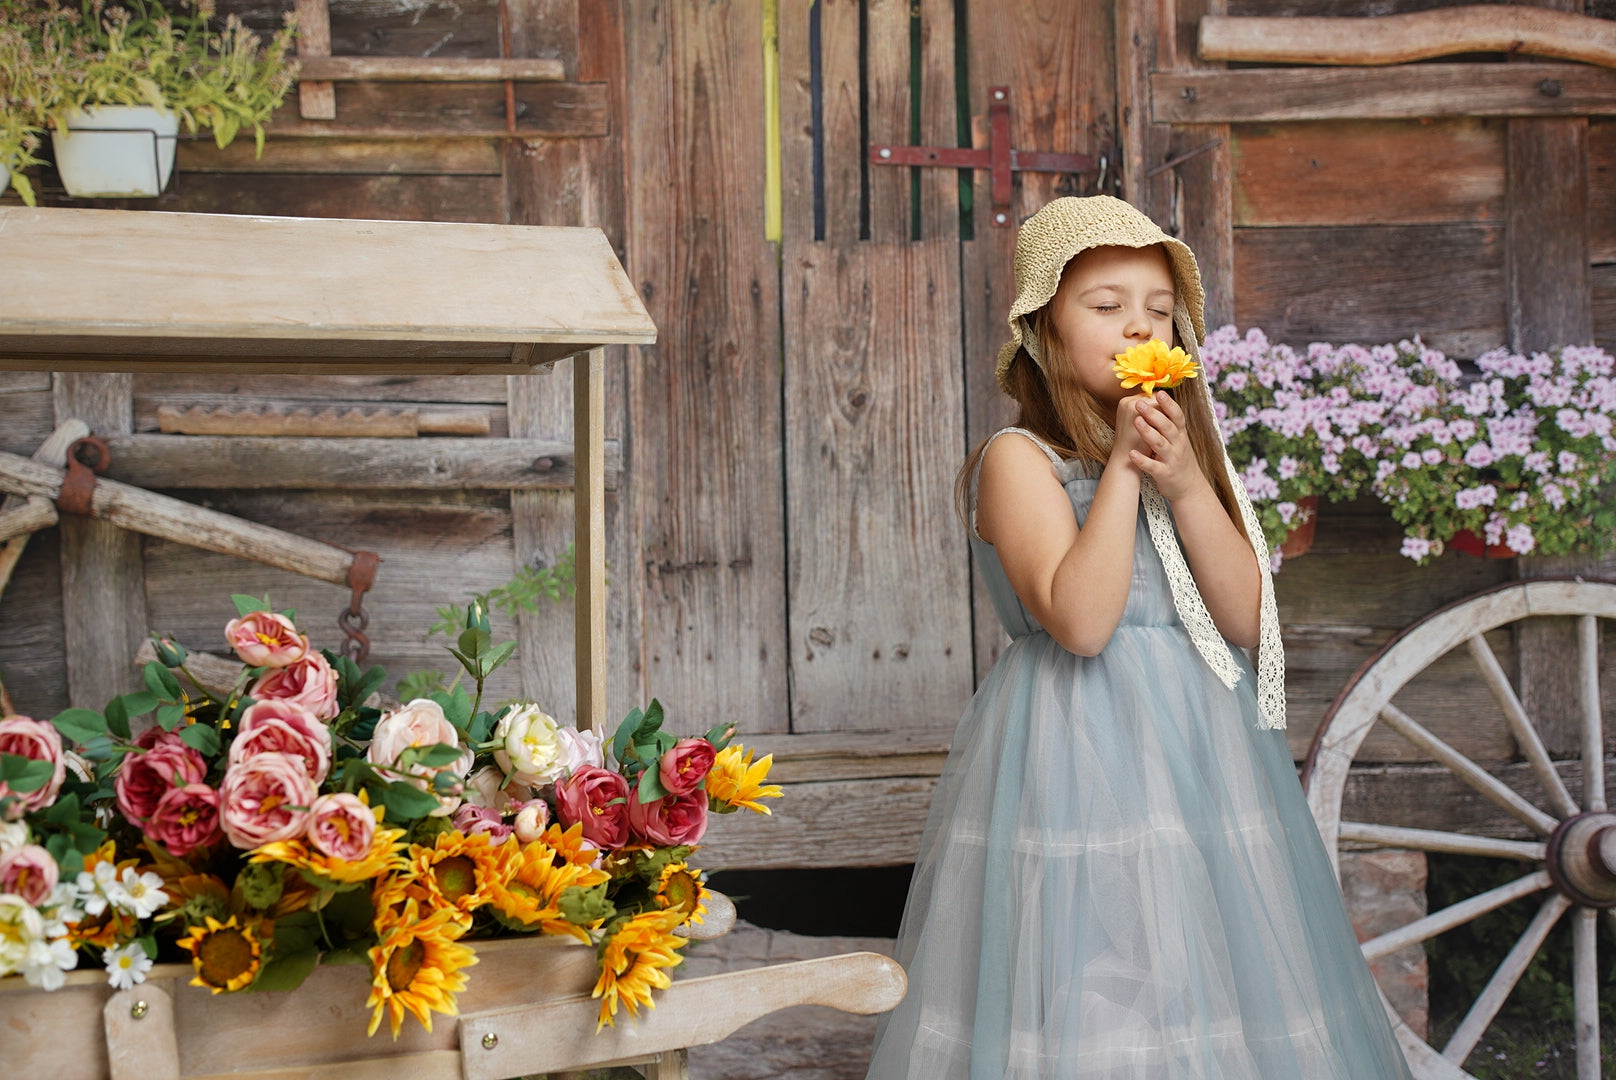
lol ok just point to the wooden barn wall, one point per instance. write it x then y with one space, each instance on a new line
784 552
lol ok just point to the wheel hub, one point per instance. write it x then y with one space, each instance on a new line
1581 858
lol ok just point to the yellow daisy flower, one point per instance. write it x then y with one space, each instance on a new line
633 962
226 955
1153 365
419 965
457 871
735 782
530 895
678 889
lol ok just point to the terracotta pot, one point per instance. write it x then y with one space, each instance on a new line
1468 542
1301 537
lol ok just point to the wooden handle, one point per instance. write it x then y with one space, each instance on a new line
558 1035
1401 39
158 515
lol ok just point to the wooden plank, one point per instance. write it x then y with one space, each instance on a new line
430 69
589 532
31 631
431 157
1335 172
1339 8
706 419
874 421
1602 191
452 110
1546 242
183 276
1430 797
885 117
847 754
316 100
156 389
1253 95
103 581
1602 281
1405 38
28 418
1060 62
847 197
1203 208
246 461
1374 284
322 421
809 827
336 195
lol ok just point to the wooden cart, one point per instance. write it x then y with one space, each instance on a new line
116 291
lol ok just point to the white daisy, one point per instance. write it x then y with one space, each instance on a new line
141 895
127 966
47 961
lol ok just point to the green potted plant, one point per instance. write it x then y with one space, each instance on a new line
136 74
21 93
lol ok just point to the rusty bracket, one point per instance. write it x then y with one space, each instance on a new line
998 157
354 621
85 458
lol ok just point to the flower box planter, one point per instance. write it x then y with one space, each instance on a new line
1301 537
527 1011
1468 542
116 151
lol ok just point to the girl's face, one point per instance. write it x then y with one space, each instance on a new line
1111 298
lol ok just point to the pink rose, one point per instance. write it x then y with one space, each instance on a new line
677 819
471 819
264 639
28 871
186 818
308 682
266 797
686 765
342 826
598 798
284 727
30 738
580 748
531 820
161 763
419 723
488 787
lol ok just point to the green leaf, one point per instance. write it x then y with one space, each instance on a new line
351 913
148 945
353 954
139 703
23 774
652 721
625 734
437 755
201 738
405 802
474 642
456 707
482 726
80 725
246 605
65 809
501 653
651 789
162 683
170 717
720 735
286 971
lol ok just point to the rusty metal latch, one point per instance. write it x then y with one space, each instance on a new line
85 459
354 621
998 156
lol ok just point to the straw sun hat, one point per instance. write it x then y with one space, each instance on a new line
1048 241
1065 227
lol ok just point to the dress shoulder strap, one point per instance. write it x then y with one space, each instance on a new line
1055 463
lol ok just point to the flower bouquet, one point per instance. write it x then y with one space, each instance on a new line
294 821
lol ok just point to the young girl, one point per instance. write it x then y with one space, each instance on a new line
1119 877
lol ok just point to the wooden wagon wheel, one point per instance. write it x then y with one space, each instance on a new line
1573 860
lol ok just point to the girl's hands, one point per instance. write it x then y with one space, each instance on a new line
1161 445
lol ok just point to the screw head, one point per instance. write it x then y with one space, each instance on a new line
139 1010
886 151
1549 88
1000 218
490 1041
998 95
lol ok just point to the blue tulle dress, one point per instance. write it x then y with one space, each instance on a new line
1119 877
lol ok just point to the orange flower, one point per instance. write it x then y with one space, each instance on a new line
735 782
530 896
1153 365
419 965
457 872
633 960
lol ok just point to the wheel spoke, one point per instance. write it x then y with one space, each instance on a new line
1432 840
1468 771
1474 1025
1585 991
1593 736
1449 917
1492 673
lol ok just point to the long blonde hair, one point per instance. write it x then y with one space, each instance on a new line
1063 413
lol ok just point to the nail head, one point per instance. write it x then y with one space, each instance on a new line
1001 218
139 1010
490 1041
886 151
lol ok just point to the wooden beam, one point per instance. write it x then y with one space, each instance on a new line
589 537
316 100
1259 95
461 109
1402 39
430 69
103 575
53 451
244 461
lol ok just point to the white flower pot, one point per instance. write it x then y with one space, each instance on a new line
116 151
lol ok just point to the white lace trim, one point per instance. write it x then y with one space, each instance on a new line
1197 620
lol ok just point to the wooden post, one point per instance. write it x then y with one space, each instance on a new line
1546 275
589 525
103 576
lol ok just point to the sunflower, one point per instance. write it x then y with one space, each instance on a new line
632 963
386 854
226 955
457 872
735 782
1154 365
570 846
529 896
679 889
419 965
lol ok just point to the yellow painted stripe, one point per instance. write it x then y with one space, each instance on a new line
771 110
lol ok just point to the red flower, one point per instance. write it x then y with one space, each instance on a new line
675 820
599 799
162 764
686 765
186 818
